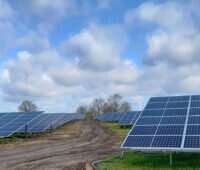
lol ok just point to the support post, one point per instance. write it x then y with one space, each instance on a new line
51 129
170 157
26 134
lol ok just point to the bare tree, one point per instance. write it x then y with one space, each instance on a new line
82 110
97 106
27 106
125 107
107 108
115 101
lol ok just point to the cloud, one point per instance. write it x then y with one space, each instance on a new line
6 11
97 48
175 38
49 11
104 4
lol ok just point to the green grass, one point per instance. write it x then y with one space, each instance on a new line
121 132
148 161
142 161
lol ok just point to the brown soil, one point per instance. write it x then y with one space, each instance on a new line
83 143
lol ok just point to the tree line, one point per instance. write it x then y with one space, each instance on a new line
113 103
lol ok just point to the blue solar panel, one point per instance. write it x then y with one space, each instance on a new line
158 99
195 97
167 123
194 111
17 120
152 112
156 105
193 130
170 130
179 98
144 130
192 142
167 141
138 141
173 120
148 121
195 104
194 120
177 104
129 118
111 117
175 112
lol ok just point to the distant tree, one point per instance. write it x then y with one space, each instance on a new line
107 108
97 106
27 106
114 101
82 110
125 107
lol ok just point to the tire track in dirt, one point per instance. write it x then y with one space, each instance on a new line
89 142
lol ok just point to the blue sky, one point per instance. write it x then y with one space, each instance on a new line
62 54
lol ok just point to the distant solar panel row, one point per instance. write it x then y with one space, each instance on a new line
129 118
32 122
111 117
167 123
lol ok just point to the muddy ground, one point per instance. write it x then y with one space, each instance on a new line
83 143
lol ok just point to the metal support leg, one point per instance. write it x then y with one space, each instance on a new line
170 156
26 134
51 130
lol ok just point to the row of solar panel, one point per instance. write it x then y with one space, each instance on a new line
162 105
165 130
170 112
162 142
22 122
174 98
167 123
124 118
192 120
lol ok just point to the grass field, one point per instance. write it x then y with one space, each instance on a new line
148 161
121 132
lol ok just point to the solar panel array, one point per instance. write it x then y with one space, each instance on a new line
111 117
167 123
11 122
129 118
49 121
22 122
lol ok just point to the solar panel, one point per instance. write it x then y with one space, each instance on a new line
49 120
111 117
129 118
167 123
12 122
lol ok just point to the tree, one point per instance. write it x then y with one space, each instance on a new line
27 106
97 106
115 101
125 107
82 110
107 108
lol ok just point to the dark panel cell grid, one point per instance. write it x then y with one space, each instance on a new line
152 112
167 141
192 142
143 130
170 130
138 141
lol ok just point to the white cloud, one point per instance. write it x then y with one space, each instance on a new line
176 37
97 48
6 11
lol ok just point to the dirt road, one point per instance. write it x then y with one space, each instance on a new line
87 142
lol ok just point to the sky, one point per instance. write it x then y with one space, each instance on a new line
64 53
